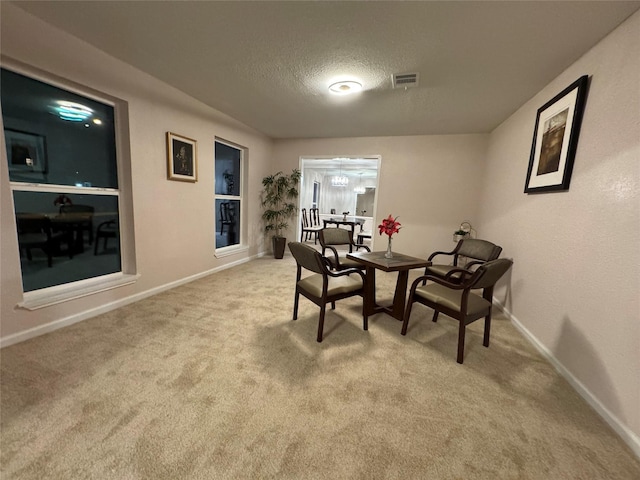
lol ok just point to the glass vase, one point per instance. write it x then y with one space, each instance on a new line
388 253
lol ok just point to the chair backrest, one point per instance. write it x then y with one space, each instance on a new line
307 257
335 236
478 249
304 218
108 226
314 217
489 273
226 212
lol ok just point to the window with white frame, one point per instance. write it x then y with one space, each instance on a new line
229 168
63 172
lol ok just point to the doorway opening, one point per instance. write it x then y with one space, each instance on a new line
339 187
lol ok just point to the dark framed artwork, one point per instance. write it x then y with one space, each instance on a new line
26 152
182 161
555 139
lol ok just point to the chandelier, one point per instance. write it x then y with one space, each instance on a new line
339 180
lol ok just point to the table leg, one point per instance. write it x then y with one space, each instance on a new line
400 295
370 291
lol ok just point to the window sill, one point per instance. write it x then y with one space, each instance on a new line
227 251
55 295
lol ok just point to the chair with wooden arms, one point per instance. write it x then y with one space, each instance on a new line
324 286
330 238
455 298
478 251
105 230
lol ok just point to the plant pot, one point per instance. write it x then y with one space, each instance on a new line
279 244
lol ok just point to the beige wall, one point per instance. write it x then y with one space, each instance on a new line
575 284
430 182
167 214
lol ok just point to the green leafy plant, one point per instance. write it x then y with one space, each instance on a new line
279 192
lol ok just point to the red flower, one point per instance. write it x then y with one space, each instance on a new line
389 226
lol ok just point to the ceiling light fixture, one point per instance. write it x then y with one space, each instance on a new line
345 87
339 180
73 112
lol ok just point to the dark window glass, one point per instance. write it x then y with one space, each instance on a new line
227 170
59 138
67 237
228 222
55 136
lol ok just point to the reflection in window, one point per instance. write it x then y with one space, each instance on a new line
228 194
62 165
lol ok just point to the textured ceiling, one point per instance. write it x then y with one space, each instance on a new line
268 64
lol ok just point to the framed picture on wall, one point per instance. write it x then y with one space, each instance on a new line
182 161
555 139
26 152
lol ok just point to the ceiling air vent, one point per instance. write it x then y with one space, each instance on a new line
405 80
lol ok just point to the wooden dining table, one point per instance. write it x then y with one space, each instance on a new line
351 222
399 263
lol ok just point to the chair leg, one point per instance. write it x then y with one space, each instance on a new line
405 322
333 305
461 333
321 323
435 316
295 305
487 330
365 319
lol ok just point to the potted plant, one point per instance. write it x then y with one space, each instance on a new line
459 235
278 196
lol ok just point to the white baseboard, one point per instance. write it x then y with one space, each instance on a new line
79 317
629 437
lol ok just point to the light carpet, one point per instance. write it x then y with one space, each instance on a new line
213 380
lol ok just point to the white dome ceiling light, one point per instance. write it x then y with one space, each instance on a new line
346 87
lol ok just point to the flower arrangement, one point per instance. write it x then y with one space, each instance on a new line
389 226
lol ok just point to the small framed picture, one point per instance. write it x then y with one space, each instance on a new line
26 152
182 158
555 139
